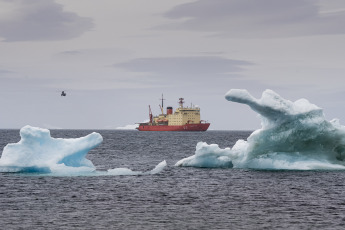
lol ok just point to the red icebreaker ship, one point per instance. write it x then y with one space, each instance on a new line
183 119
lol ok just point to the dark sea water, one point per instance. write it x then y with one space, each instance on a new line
176 198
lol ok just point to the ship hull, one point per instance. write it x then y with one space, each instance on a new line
186 127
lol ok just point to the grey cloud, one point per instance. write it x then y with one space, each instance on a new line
42 20
192 66
95 52
185 73
264 18
70 52
4 72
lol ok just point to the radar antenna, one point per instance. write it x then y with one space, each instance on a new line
181 101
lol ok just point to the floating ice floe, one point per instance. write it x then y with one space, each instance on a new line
38 152
126 171
128 127
294 135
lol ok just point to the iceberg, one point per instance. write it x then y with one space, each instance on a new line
208 156
126 171
38 152
293 136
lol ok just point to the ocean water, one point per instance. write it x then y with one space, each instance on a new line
176 198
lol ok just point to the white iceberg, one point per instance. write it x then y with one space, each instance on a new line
38 152
294 135
126 171
208 156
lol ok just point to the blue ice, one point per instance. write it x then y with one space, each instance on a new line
294 135
38 152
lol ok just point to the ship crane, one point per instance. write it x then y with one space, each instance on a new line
161 109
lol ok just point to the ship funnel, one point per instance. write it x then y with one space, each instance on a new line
169 110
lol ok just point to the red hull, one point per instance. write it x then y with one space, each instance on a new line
186 127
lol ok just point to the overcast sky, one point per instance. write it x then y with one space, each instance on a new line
114 58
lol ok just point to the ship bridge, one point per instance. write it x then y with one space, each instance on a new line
184 115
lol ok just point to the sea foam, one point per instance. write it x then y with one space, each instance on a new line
38 152
294 135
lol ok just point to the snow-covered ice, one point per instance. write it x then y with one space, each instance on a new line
38 152
294 135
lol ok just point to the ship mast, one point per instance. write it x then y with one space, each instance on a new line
162 104
150 114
